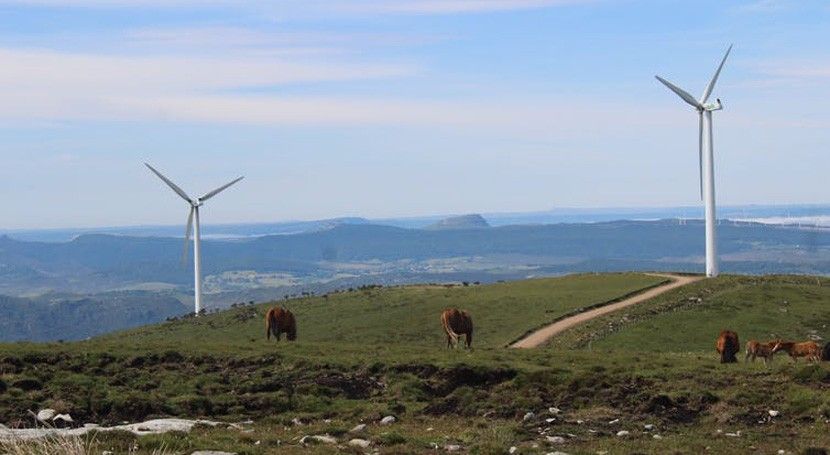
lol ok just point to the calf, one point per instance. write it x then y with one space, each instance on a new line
755 349
808 349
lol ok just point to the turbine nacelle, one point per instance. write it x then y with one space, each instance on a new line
716 106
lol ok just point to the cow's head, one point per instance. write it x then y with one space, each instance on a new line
777 346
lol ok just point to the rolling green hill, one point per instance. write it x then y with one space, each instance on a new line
373 352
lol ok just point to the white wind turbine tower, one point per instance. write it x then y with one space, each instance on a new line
707 165
197 240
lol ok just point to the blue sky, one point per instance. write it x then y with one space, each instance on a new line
401 107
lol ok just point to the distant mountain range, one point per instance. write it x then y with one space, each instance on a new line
142 278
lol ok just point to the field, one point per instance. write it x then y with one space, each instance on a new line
373 352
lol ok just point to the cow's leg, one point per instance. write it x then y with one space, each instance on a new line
469 340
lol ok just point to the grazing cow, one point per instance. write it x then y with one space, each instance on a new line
457 323
727 346
757 349
278 320
808 349
825 353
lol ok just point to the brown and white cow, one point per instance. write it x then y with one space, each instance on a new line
808 349
278 320
457 323
755 349
727 346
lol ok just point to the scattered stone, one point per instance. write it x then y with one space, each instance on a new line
325 439
452 448
736 434
212 452
555 439
781 451
774 413
657 436
551 420
388 420
622 433
297 422
91 425
359 428
554 410
580 422
512 450
556 453
615 421
648 426
362 443
430 429
528 416
107 452
65 418
45 415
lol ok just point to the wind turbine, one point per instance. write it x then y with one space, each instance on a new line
707 164
197 240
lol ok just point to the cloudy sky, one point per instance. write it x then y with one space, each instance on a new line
384 108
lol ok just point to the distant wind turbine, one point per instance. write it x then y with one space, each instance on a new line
707 165
197 240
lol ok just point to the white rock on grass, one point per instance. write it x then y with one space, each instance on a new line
359 428
555 439
773 413
622 433
554 410
657 436
388 420
512 450
65 418
452 448
45 415
212 452
615 421
556 453
528 416
362 443
648 426
321 438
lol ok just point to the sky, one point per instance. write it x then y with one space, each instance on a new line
390 108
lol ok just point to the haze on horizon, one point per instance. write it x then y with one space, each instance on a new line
395 108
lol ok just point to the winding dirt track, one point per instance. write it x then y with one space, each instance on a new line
544 334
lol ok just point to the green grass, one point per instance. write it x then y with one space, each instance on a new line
650 364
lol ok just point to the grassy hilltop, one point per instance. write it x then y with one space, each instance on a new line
365 354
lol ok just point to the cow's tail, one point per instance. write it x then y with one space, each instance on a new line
268 322
448 328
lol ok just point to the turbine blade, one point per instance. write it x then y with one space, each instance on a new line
169 183
711 86
219 190
187 231
700 152
680 92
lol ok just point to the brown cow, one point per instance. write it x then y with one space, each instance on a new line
808 349
757 349
727 346
457 323
278 320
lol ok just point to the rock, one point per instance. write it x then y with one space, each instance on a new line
430 429
107 452
648 426
622 433
65 418
657 436
512 450
551 420
452 448
362 443
781 451
324 438
580 422
556 453
773 413
555 439
528 416
45 415
359 428
297 422
388 420
554 410
212 452
91 425
615 421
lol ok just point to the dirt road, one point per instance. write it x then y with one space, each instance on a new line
544 334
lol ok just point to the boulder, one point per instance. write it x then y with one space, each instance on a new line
555 439
46 415
212 452
359 428
361 443
321 438
388 420
622 433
